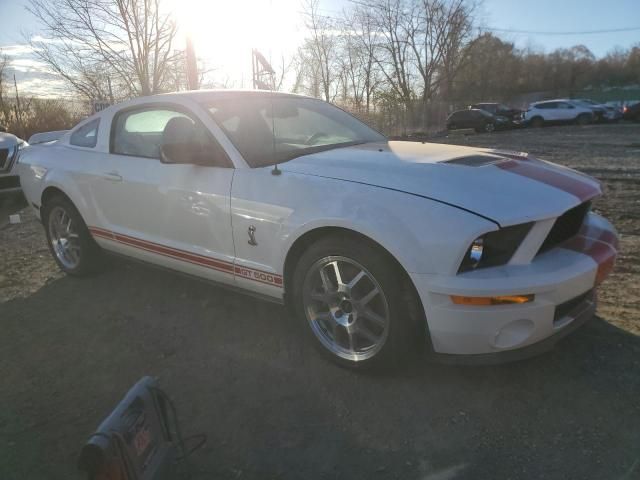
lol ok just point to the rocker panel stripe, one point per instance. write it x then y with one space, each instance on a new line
253 274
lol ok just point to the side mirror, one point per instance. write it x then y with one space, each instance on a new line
186 153
178 152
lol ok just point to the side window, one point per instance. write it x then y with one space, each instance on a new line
141 133
86 135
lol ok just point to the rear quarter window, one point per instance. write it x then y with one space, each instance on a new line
86 135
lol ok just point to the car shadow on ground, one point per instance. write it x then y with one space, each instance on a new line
238 371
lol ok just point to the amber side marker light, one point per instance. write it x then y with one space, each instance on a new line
487 301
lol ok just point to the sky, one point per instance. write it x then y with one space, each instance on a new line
276 27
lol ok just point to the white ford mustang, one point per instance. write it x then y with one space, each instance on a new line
486 255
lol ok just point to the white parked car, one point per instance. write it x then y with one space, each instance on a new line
9 147
558 111
488 255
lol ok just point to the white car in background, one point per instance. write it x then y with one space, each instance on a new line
486 255
602 112
557 111
9 147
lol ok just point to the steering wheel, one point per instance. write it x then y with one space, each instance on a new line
311 140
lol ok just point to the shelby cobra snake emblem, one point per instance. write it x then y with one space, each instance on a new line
252 236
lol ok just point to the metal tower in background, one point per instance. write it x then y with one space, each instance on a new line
192 67
263 73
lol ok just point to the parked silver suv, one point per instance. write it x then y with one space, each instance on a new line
557 111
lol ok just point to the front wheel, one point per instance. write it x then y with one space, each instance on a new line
349 294
583 119
70 242
537 122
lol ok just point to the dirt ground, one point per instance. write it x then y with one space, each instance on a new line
274 409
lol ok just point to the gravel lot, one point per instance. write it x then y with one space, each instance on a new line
273 409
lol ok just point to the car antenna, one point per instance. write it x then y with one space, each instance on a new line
272 86
276 170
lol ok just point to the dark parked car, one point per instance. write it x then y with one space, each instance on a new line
479 120
631 112
500 110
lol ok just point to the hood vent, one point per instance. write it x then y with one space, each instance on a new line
475 160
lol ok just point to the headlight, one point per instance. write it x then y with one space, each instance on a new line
21 146
494 248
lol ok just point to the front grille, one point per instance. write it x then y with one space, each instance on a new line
12 181
566 226
4 159
7 157
573 307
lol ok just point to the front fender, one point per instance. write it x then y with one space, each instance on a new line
424 236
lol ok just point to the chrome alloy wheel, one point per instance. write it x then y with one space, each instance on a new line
346 308
64 238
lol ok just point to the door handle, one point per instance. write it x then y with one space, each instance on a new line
112 176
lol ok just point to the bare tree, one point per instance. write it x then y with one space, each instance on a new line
88 42
392 50
358 50
321 48
452 23
5 108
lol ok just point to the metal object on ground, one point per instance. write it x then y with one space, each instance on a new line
136 441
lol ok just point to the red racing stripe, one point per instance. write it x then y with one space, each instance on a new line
582 189
600 234
177 254
256 275
604 254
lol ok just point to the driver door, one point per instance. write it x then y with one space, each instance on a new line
175 215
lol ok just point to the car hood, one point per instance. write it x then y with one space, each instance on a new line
505 187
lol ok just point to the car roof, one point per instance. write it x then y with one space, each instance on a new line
468 110
219 93
549 101
197 96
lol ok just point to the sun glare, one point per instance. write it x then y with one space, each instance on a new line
224 32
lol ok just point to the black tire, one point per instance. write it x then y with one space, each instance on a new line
452 127
402 328
537 122
88 252
489 127
583 119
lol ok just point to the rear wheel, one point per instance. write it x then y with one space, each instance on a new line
349 295
489 127
69 240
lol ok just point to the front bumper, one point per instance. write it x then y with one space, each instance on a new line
9 183
488 334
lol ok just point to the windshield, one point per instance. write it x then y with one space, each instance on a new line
581 103
271 129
